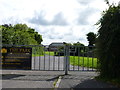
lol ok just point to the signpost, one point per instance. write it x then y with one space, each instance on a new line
16 57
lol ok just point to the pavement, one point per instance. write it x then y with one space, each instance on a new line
50 79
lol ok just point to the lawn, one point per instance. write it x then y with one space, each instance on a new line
49 53
80 61
83 61
77 61
36 55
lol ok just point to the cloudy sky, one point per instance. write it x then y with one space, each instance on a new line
56 20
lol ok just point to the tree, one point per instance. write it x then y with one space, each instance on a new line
77 48
108 43
91 37
78 44
19 34
0 35
107 2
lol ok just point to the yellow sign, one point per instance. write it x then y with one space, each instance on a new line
3 50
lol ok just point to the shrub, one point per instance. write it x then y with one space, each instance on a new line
108 43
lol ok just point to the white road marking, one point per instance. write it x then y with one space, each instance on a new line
58 82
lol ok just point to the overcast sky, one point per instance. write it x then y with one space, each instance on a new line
56 20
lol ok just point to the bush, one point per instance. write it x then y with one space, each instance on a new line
108 43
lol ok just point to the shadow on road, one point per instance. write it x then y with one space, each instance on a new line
29 77
92 83
10 76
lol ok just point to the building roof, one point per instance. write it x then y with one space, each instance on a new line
57 44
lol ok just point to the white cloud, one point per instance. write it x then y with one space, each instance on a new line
39 19
55 20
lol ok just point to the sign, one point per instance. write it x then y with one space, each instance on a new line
16 57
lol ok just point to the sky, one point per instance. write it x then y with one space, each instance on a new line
56 20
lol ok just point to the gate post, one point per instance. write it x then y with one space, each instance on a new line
66 59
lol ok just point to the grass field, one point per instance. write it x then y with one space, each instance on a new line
36 55
47 53
50 53
77 61
83 61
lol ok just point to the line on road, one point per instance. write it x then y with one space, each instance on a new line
58 82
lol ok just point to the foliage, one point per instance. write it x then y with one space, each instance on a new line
91 37
74 48
108 43
20 34
113 81
78 44
107 2
79 48
0 35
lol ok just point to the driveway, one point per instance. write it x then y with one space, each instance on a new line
50 79
29 79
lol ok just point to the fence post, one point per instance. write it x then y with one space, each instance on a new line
66 59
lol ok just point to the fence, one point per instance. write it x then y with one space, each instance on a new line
67 58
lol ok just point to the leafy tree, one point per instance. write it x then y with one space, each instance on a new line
107 2
20 34
38 37
79 48
91 37
108 43
78 44
0 35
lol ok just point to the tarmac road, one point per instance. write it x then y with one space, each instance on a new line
48 79
29 79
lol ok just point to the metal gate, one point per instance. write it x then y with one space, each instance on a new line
80 58
66 58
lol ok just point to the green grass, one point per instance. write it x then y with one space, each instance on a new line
35 55
49 53
77 61
83 61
